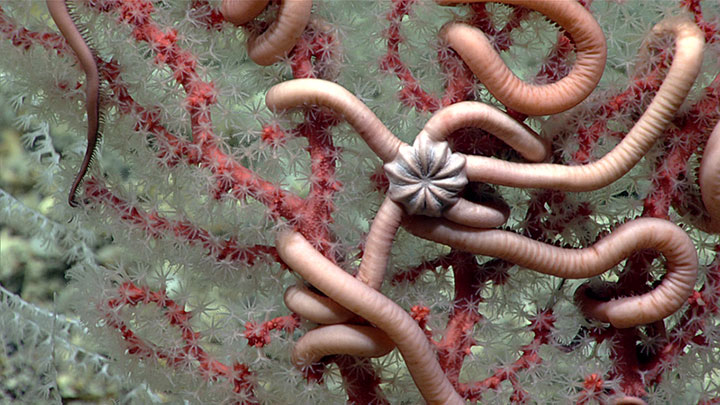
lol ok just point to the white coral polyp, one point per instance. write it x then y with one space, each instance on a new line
427 177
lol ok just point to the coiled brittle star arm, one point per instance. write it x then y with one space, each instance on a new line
278 39
666 237
685 67
478 53
351 339
60 14
368 303
371 271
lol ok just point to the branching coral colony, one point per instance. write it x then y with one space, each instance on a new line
629 335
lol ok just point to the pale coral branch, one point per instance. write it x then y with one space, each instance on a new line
668 238
478 53
370 304
651 125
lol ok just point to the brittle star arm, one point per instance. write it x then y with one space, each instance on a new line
270 46
299 92
423 189
709 179
370 304
371 271
689 42
643 233
357 340
478 53
60 14
241 12
484 116
353 340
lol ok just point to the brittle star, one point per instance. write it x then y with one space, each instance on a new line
64 21
575 178
656 233
264 49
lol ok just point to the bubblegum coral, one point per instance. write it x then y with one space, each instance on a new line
268 165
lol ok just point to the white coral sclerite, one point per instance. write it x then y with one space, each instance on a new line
427 177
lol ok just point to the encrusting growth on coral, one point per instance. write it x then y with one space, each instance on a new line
428 190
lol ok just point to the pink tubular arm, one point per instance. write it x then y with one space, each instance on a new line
689 42
308 92
478 53
668 238
240 12
323 310
268 47
370 304
709 179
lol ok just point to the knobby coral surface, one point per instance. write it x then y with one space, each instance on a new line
318 202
